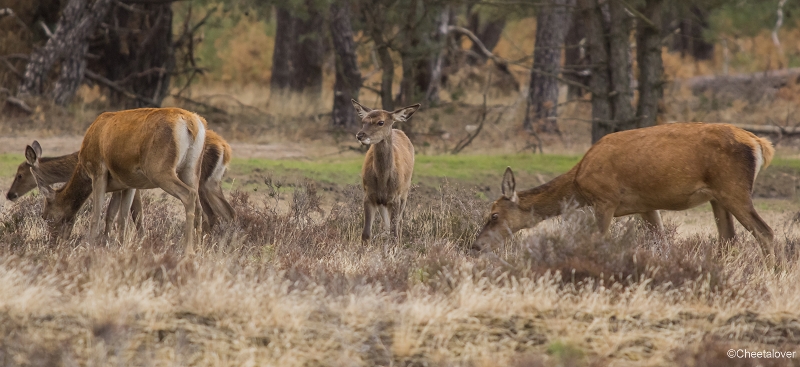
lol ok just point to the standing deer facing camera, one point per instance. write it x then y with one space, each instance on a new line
388 165
670 167
127 150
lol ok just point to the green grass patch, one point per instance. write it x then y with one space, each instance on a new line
786 162
9 164
457 167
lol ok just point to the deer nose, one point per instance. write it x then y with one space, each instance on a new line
11 196
360 135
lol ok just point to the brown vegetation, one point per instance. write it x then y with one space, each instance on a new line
297 287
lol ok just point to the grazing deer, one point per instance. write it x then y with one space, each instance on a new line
216 157
127 150
388 165
58 170
670 167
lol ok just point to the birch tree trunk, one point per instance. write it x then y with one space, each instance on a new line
78 21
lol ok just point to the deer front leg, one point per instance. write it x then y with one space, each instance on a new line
99 182
369 216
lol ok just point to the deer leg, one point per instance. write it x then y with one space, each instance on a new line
724 221
208 209
99 183
136 211
191 177
125 204
397 219
603 214
369 216
112 211
189 197
653 220
386 219
746 214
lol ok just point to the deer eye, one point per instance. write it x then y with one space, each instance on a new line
380 123
495 216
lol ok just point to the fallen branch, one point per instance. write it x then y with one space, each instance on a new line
19 104
116 87
204 105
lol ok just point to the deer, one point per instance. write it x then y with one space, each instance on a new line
674 166
124 151
216 157
388 166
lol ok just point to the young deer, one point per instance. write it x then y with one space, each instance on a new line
388 165
127 150
670 167
55 170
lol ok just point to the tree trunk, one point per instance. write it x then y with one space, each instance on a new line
552 24
689 39
619 64
432 94
348 77
78 21
374 20
598 57
281 56
651 68
142 60
72 70
308 53
575 57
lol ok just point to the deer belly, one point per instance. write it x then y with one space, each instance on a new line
129 180
667 200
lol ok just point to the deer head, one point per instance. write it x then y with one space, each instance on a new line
23 180
58 217
377 124
506 216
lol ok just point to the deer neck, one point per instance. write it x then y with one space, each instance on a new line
75 192
548 200
58 169
384 158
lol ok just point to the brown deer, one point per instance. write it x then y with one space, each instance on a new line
56 170
127 150
216 156
388 166
670 167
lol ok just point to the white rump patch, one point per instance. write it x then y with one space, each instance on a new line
759 154
189 149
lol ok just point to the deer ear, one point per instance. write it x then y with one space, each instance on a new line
404 113
44 189
509 185
361 110
32 153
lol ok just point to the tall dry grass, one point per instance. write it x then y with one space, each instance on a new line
293 285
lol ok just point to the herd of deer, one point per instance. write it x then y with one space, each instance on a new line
667 167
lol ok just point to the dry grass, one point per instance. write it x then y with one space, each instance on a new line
294 286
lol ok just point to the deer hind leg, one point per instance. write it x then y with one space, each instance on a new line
653 220
189 198
136 211
724 221
741 206
190 176
112 211
125 204
369 217
214 204
396 211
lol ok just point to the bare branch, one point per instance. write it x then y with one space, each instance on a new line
778 24
116 87
639 15
19 104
